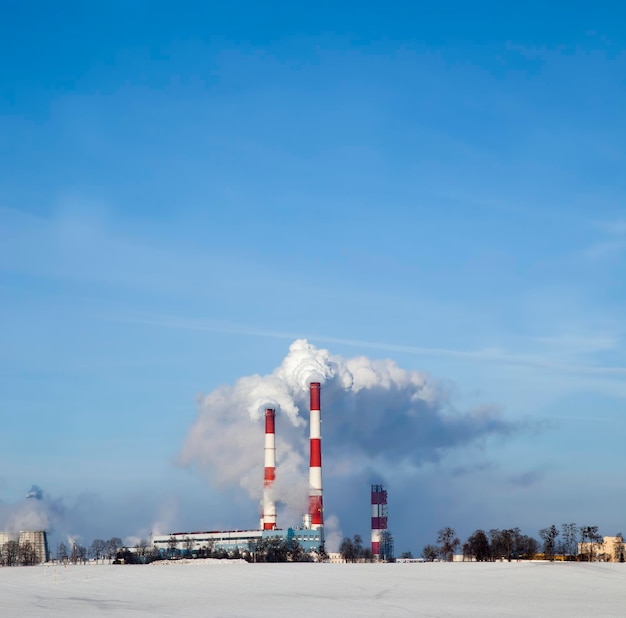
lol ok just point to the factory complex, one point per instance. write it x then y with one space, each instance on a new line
310 534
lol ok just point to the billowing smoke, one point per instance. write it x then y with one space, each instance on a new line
167 514
36 511
35 492
376 416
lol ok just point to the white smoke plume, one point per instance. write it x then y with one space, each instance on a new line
167 514
332 533
72 539
36 511
35 492
27 516
375 416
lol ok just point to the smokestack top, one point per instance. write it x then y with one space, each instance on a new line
315 395
270 414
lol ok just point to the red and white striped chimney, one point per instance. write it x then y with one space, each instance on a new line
268 517
316 507
379 518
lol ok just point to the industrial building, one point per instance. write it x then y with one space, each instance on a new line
232 540
310 535
25 547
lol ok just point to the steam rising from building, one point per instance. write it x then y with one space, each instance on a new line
36 511
379 416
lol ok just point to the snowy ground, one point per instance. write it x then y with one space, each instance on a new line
326 590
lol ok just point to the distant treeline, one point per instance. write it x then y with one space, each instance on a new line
510 544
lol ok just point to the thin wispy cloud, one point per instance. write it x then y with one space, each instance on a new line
528 479
580 344
486 355
613 244
607 249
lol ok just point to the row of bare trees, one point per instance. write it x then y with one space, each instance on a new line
99 550
510 544
352 550
13 553
275 549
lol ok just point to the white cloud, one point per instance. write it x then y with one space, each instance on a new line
374 413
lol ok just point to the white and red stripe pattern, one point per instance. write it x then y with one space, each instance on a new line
316 507
379 517
268 517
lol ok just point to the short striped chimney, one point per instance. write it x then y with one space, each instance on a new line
316 507
379 518
268 517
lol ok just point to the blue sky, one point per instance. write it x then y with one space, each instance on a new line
186 189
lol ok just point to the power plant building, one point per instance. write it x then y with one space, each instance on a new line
232 540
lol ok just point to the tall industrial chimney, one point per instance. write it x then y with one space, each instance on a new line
379 522
268 517
316 507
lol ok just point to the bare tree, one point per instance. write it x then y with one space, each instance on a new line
98 549
430 552
351 550
386 548
74 554
142 548
277 549
495 544
112 546
171 547
509 540
62 554
448 543
10 553
589 536
81 553
210 548
28 553
152 553
528 547
188 546
358 545
346 549
478 546
548 535
568 536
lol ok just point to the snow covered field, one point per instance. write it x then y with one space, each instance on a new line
326 590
